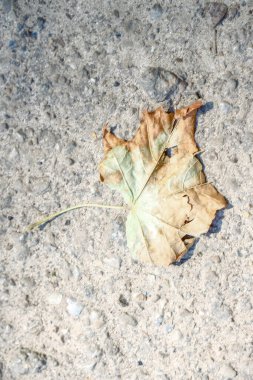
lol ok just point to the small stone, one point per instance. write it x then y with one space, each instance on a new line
210 276
8 329
96 319
75 273
169 328
21 135
70 161
12 44
94 355
242 252
129 320
139 297
41 21
118 231
233 184
246 365
7 6
74 308
114 262
17 368
47 139
159 320
29 282
156 12
246 214
216 259
176 335
123 301
71 147
39 185
227 371
160 375
28 362
225 107
54 298
232 84
185 313
229 87
216 11
90 364
89 291
234 11
151 278
94 135
34 326
161 84
222 312
116 13
14 154
4 127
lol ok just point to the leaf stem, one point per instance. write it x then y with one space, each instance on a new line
55 215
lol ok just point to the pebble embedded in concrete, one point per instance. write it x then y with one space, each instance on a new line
227 372
74 308
54 298
128 320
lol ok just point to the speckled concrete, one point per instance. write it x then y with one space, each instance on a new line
73 303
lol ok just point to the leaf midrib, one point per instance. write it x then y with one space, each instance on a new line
159 158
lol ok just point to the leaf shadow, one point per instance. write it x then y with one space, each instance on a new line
188 254
202 111
217 222
214 229
43 226
208 106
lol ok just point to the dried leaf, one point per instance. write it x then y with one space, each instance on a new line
170 202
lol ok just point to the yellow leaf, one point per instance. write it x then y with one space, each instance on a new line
170 203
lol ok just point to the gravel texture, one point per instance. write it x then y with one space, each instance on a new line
73 303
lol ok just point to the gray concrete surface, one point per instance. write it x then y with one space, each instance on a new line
73 303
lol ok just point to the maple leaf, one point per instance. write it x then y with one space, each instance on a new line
169 199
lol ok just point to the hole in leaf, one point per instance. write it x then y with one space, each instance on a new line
171 151
187 237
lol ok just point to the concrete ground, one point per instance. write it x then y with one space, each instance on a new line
74 305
